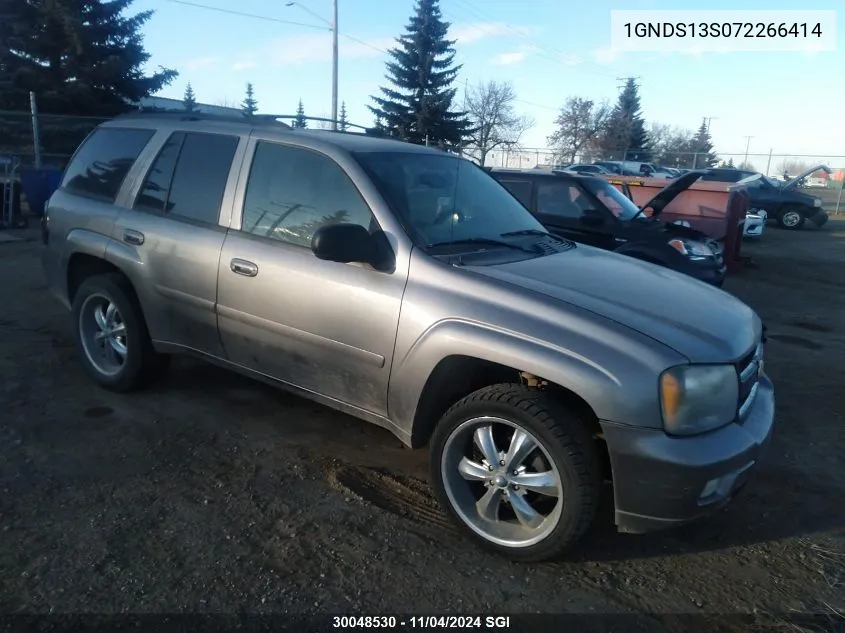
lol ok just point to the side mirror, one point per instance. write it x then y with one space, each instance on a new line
592 218
345 243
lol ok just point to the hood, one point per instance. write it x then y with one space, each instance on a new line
698 321
791 183
671 191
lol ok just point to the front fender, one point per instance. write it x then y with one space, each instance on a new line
619 379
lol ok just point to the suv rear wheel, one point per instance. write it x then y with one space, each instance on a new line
111 334
791 218
517 471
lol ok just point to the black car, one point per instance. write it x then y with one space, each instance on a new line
783 202
590 210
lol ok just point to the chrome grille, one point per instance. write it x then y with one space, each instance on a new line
748 370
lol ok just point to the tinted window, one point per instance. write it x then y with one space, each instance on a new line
521 189
200 177
561 199
292 192
102 162
153 194
619 204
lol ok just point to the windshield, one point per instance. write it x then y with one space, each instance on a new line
618 203
444 198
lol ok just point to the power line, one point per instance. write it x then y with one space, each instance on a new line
557 55
267 18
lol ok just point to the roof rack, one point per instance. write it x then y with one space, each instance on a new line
261 119
255 119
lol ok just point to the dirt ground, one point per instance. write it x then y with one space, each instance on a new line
210 493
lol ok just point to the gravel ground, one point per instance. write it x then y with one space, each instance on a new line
213 494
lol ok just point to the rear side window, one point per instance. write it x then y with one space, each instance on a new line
561 200
100 165
188 177
521 189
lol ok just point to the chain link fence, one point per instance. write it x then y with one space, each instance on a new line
829 187
59 137
61 134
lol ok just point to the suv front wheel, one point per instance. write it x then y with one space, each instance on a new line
791 218
517 471
111 334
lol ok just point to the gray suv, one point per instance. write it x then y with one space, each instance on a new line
406 287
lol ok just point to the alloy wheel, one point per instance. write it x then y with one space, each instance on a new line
103 334
502 482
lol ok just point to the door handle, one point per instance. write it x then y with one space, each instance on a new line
243 267
131 236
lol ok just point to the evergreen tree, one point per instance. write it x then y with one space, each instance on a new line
81 57
625 137
343 123
418 108
189 101
250 104
702 147
300 121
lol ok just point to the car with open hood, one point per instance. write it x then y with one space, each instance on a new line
783 201
592 211
403 285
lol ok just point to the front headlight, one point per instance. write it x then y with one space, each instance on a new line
698 398
692 249
817 202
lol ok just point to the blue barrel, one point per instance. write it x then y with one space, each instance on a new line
38 185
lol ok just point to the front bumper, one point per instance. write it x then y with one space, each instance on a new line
712 276
754 226
820 218
660 481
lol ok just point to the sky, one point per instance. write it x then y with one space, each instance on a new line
550 50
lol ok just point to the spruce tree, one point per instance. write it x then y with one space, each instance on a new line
300 121
625 137
343 122
418 106
189 101
702 146
250 104
82 57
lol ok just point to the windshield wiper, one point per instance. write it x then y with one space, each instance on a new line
533 232
481 241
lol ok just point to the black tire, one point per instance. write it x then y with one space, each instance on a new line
785 218
141 364
566 440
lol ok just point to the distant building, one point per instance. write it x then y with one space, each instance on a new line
176 105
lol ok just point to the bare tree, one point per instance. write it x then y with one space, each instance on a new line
226 102
792 166
494 120
671 146
578 126
747 166
323 125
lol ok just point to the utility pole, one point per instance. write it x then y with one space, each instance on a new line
747 145
334 64
333 28
708 119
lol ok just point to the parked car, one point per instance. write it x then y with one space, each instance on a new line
634 168
783 202
592 211
586 169
405 286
